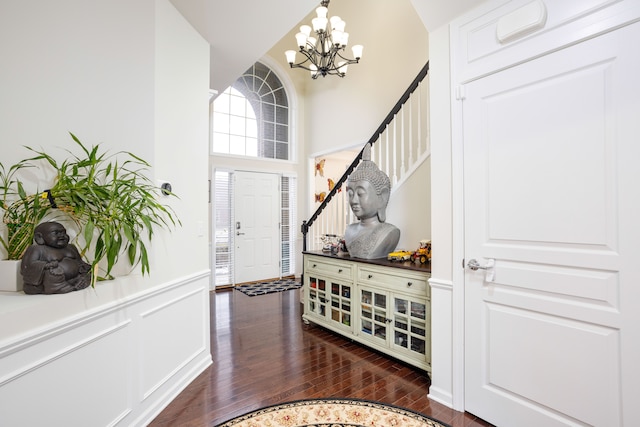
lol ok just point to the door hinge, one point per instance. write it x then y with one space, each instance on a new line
463 263
461 94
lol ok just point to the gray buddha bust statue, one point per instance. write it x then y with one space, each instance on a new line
51 265
368 190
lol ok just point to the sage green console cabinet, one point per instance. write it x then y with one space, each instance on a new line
383 305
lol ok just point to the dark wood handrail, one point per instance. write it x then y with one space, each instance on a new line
387 120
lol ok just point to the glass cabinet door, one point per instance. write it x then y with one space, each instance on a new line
374 319
317 296
341 304
410 325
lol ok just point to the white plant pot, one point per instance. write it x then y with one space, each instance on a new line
10 277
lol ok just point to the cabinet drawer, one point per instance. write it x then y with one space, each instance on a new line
328 267
395 280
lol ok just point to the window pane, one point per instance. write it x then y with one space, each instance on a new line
221 123
268 149
261 70
221 103
252 147
282 151
268 112
282 133
221 142
251 114
236 145
268 98
252 128
282 115
268 130
238 106
245 81
223 229
264 89
237 125
280 96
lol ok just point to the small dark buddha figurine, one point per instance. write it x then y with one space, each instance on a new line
52 265
368 190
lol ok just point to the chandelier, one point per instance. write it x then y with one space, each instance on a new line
322 52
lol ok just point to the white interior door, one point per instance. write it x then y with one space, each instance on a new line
257 227
551 178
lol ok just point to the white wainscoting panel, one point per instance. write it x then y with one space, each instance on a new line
117 363
442 339
56 386
159 328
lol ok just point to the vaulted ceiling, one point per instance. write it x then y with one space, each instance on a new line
241 31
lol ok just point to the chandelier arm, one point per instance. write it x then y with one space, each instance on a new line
332 57
349 61
301 65
309 59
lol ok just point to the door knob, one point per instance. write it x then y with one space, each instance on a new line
474 265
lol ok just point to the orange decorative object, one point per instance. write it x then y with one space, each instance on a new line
320 167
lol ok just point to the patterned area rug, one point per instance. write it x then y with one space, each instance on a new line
333 413
254 289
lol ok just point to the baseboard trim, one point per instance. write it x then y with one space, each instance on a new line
441 396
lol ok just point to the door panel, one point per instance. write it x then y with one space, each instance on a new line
542 150
257 239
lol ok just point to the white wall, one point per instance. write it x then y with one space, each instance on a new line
444 337
68 67
111 74
181 141
133 76
410 208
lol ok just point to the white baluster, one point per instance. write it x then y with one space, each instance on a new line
403 142
394 150
386 152
427 115
420 147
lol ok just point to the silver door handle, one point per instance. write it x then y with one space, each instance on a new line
239 233
474 265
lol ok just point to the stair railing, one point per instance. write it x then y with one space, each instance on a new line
399 145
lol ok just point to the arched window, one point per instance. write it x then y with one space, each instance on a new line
251 117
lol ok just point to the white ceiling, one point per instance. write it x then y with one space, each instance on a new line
241 31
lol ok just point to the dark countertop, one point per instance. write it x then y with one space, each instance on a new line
407 265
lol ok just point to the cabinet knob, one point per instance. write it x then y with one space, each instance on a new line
388 320
339 270
409 284
370 276
314 266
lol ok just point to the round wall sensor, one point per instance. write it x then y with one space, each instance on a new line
166 188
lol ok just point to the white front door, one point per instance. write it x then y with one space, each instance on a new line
551 192
257 227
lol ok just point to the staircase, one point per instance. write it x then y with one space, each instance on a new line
399 146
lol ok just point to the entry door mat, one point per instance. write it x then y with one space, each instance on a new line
262 288
333 413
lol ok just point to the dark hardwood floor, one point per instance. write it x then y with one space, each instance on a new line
263 354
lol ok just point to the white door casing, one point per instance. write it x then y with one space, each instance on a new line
257 222
550 194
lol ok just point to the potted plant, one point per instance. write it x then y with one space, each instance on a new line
108 198
21 213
